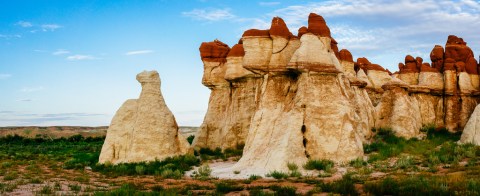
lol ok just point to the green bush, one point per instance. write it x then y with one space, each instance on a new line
254 177
345 186
227 186
190 139
319 164
278 175
284 190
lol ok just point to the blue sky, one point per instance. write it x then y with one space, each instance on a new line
74 62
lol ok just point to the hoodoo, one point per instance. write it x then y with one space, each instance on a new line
290 99
143 129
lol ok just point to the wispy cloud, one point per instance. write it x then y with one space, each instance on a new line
271 3
380 28
14 36
24 24
79 57
31 89
25 100
138 52
61 52
5 76
50 27
14 118
209 14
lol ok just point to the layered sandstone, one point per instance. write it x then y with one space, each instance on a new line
471 133
143 129
232 99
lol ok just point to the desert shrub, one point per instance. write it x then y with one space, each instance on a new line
46 190
284 190
404 162
202 173
415 185
131 189
295 173
190 139
318 164
254 177
181 163
257 191
358 163
345 186
168 173
278 175
292 166
227 186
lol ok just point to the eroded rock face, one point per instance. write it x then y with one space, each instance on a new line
471 133
232 101
143 129
289 89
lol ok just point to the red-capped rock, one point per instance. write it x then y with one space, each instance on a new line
401 66
345 55
214 51
410 65
460 66
419 62
237 50
365 64
256 32
471 66
302 30
318 26
279 28
425 67
449 64
436 56
457 49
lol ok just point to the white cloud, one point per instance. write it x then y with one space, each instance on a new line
5 76
31 89
10 36
50 27
210 14
24 24
25 100
61 52
385 30
271 3
138 52
79 57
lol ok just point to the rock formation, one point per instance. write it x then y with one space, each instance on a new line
143 129
303 87
233 96
293 98
471 133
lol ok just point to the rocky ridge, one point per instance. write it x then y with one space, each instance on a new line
303 82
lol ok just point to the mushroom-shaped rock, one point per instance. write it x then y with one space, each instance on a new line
214 51
234 64
457 49
313 55
258 48
143 129
471 132
279 33
318 26
346 60
214 57
436 56
302 30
